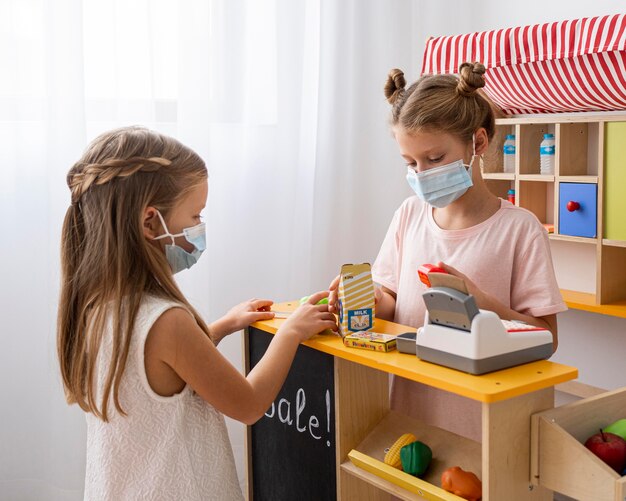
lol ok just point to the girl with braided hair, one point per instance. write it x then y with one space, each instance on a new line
443 126
133 353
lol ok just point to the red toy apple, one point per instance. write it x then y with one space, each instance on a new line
610 448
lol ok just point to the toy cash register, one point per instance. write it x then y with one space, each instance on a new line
457 334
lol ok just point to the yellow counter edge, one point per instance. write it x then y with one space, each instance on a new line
491 387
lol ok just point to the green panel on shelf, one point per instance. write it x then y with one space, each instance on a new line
615 181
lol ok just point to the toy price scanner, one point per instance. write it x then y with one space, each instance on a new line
457 334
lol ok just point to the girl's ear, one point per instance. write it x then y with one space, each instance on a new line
482 141
150 223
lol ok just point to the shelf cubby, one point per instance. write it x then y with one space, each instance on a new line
577 149
537 197
530 136
493 162
500 187
448 449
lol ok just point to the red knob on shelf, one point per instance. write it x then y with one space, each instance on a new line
572 206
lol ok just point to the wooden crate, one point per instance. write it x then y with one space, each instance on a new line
559 459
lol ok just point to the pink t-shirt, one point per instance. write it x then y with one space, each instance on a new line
507 256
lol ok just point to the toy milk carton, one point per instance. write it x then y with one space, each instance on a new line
356 299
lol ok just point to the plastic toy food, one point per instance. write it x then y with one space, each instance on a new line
425 269
462 483
610 448
618 428
415 458
306 298
392 457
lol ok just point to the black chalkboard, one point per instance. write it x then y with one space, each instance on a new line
292 446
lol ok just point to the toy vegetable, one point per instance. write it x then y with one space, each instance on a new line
306 298
415 458
462 483
392 457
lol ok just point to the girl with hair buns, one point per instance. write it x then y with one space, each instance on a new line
133 353
443 127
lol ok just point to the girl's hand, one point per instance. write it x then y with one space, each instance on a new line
239 317
486 302
333 295
472 288
309 319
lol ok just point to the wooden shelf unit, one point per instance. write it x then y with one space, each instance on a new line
588 151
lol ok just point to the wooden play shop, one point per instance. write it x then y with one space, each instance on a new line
333 448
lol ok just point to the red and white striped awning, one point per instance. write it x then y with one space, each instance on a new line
577 65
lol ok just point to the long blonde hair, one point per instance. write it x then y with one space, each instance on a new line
107 265
441 102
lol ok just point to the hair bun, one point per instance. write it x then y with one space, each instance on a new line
394 85
471 78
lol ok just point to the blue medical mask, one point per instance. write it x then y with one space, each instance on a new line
177 257
440 186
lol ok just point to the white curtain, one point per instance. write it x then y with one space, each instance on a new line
281 98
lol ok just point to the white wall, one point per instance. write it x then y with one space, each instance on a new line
596 345
492 14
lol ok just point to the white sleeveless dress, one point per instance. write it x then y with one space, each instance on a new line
166 448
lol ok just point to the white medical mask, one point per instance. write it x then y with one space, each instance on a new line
440 186
177 257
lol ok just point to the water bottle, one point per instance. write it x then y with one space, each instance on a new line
546 154
508 154
510 196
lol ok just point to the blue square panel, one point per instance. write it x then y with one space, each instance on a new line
578 209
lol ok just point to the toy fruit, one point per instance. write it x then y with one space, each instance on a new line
618 428
415 458
462 483
304 299
392 457
610 448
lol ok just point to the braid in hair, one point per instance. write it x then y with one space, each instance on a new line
79 181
